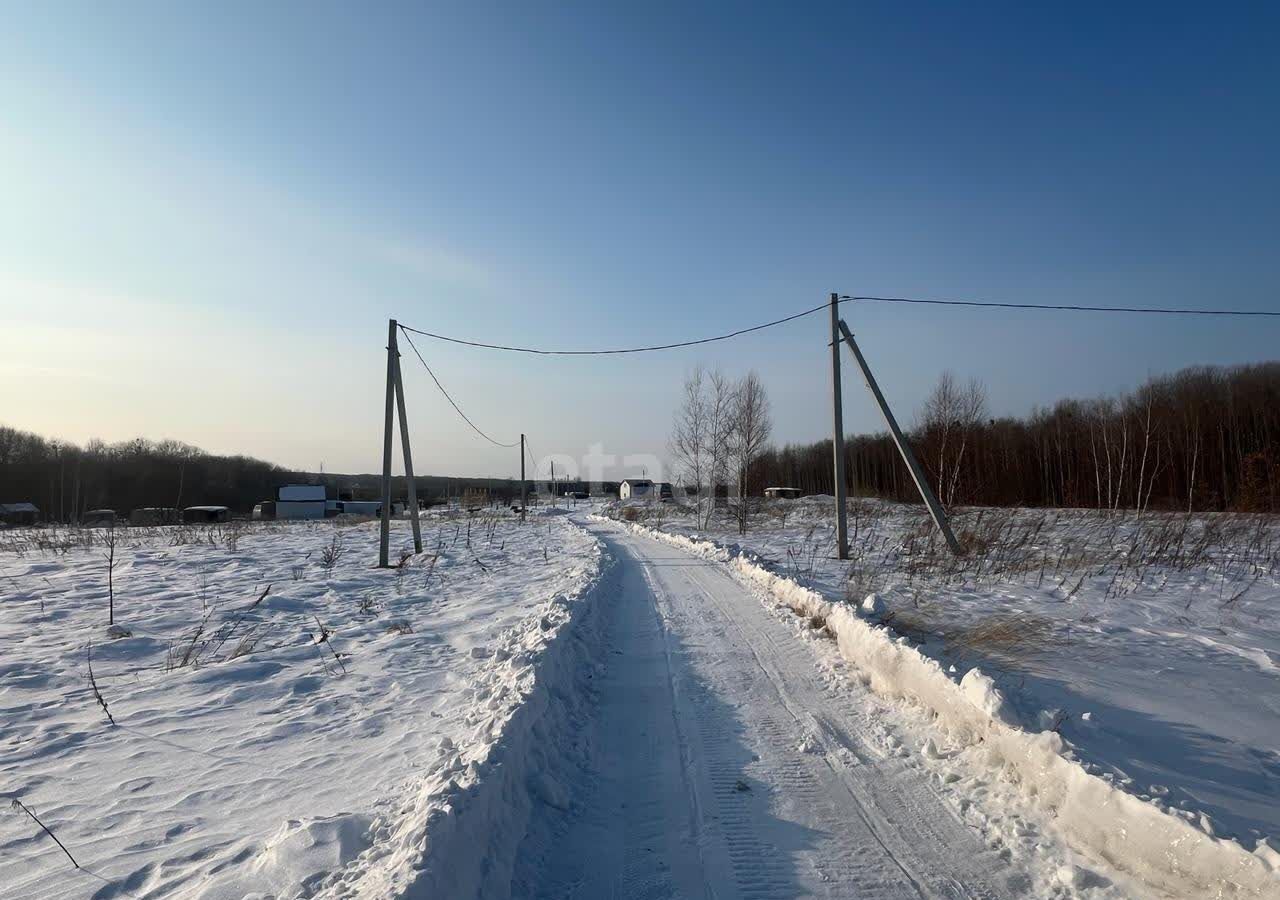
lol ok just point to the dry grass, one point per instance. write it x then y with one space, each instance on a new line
1011 637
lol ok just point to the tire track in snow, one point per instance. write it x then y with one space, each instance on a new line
876 794
724 768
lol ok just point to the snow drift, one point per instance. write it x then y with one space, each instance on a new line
456 834
1096 818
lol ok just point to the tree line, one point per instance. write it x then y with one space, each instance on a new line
64 479
1204 438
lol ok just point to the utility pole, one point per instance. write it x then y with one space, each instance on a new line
395 403
837 435
524 488
404 447
384 527
917 474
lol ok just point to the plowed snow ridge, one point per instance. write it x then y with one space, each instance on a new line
1117 829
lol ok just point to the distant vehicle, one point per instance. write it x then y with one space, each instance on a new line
203 515
783 493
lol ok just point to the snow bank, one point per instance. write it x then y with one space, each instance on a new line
1097 818
456 833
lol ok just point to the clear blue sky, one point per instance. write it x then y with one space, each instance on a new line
207 214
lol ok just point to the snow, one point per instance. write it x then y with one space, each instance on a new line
1140 834
284 750
723 759
574 708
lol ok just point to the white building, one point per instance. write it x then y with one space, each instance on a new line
635 488
300 501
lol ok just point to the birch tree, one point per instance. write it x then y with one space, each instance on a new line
752 426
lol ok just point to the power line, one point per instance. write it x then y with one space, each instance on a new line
708 340
455 406
845 299
1071 307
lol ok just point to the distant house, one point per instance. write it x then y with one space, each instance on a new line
635 488
99 518
203 515
301 501
154 515
783 493
19 513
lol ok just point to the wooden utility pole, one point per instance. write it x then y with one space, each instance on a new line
384 527
408 455
837 435
524 488
917 474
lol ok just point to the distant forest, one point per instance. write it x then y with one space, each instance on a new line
1205 438
64 480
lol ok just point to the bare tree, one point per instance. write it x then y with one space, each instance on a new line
110 543
951 415
721 402
688 443
752 426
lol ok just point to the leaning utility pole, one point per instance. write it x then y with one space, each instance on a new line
395 402
524 488
837 434
917 474
408 457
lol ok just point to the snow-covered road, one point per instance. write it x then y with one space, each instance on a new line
725 765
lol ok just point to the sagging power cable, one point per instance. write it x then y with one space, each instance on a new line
845 299
455 406
708 340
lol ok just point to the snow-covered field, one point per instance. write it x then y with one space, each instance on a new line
566 709
1151 645
263 739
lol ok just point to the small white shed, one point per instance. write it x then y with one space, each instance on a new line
635 488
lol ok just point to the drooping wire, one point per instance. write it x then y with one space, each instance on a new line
846 299
708 340
455 406
1073 307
